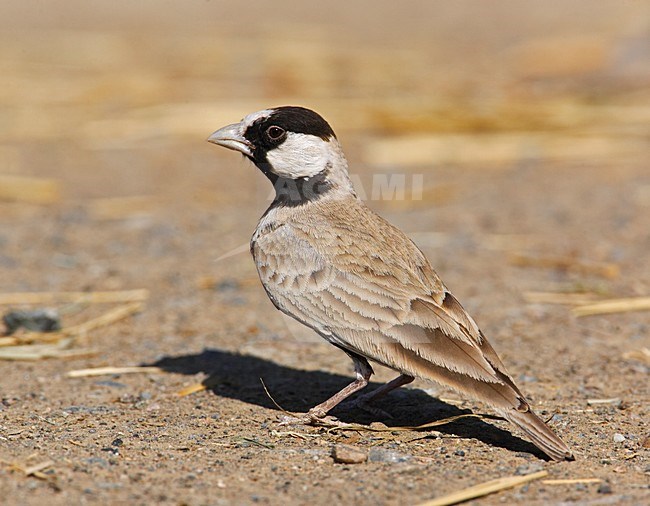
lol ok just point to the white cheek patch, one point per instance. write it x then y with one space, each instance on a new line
300 155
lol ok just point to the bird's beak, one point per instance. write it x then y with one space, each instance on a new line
232 137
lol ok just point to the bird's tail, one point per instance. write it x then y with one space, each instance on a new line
539 433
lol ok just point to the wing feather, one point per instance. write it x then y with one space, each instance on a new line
394 323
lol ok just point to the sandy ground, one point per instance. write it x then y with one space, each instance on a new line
542 160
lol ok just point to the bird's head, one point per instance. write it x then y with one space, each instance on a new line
295 148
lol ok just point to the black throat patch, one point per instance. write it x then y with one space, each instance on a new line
297 192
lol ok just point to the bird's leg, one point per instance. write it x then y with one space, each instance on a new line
363 372
363 376
363 401
400 381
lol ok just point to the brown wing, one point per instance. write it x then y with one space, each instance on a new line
365 286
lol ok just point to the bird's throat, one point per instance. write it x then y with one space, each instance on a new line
298 192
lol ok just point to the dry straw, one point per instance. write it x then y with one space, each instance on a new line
483 489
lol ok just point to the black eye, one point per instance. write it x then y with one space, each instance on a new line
275 133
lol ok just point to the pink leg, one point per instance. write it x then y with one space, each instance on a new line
363 371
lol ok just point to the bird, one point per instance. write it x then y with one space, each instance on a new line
327 260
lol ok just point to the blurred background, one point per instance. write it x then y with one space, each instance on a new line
129 90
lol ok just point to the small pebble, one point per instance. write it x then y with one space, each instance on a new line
36 320
528 469
604 488
619 438
387 456
97 461
344 454
110 383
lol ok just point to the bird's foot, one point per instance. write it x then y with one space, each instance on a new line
312 417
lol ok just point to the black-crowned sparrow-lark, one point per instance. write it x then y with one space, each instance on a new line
328 261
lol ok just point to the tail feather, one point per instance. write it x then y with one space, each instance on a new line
539 433
504 397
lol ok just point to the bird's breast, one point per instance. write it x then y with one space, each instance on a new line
286 262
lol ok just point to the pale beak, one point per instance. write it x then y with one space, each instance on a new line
232 137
